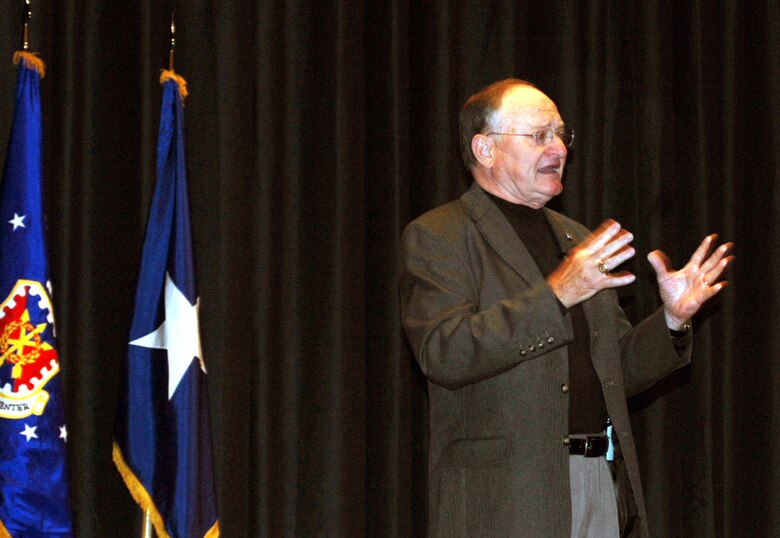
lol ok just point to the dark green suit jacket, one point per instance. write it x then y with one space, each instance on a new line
491 339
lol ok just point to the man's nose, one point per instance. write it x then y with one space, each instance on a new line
557 147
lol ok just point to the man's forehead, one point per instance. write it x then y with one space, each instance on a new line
526 102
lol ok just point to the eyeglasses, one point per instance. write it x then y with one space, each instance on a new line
544 137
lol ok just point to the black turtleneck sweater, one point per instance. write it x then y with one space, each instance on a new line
587 411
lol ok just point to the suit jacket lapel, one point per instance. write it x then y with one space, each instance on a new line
499 234
566 236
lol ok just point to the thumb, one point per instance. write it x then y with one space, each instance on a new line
660 262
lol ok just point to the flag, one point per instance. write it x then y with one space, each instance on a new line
34 498
162 438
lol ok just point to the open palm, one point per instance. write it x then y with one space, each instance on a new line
684 291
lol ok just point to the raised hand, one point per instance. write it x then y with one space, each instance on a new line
683 292
586 268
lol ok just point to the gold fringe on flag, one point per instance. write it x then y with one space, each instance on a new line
213 531
31 61
139 493
167 75
144 500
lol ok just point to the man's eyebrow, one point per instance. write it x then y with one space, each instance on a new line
546 125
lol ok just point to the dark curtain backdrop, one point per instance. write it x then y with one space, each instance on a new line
316 131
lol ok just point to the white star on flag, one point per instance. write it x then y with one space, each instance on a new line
17 221
29 432
179 333
64 433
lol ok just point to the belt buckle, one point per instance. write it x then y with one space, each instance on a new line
592 447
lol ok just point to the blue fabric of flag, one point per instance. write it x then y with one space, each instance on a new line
34 497
162 443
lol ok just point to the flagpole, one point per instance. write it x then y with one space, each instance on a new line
26 15
147 533
147 530
173 44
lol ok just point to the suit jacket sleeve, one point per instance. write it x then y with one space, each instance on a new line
649 353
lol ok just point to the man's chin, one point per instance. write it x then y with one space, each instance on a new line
554 187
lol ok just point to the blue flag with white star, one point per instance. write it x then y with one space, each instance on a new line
34 498
162 438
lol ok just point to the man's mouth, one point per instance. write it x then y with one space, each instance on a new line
550 169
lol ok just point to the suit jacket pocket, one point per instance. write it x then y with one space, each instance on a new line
471 487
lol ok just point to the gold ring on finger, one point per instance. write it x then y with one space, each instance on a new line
602 267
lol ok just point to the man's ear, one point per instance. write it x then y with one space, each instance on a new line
482 147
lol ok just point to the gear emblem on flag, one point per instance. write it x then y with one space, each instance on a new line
28 358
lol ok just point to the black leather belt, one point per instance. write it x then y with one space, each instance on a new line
590 447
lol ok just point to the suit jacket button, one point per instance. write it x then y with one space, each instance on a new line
566 441
550 339
532 348
523 353
565 388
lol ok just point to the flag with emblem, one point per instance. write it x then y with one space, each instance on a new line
34 498
162 439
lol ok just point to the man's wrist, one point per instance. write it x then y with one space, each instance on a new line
674 323
681 332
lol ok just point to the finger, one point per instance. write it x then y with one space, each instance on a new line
618 243
716 257
626 253
702 250
606 225
711 276
603 234
615 280
715 289
720 286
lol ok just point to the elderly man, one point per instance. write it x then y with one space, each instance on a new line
511 311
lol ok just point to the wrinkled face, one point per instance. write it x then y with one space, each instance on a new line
520 169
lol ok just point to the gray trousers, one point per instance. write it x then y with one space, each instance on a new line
594 511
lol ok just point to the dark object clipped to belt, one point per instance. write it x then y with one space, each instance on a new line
590 447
